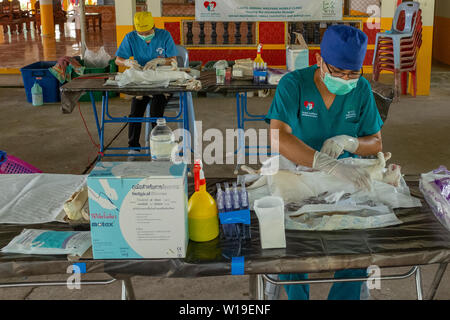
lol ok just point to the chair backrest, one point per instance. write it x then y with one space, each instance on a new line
410 9
183 56
15 6
7 7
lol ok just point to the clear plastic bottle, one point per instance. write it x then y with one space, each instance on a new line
162 141
36 95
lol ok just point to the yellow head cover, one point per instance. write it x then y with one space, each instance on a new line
143 21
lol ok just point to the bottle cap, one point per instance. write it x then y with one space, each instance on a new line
161 122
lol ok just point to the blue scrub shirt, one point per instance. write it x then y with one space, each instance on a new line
298 103
162 45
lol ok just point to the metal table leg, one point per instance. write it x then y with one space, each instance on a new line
437 280
419 284
128 290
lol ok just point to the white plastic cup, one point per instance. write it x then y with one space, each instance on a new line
270 213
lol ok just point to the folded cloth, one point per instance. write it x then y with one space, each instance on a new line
63 68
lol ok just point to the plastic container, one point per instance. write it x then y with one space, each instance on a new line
38 72
162 141
36 95
10 164
111 68
202 210
195 65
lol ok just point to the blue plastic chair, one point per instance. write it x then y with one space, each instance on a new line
411 9
174 102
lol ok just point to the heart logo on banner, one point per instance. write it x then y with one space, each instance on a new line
207 5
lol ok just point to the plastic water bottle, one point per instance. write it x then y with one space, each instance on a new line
162 141
36 95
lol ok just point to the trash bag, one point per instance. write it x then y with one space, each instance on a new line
384 95
99 59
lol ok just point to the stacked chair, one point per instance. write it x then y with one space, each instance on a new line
396 50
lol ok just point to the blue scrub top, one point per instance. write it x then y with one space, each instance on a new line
162 45
299 104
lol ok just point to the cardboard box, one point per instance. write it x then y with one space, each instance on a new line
297 55
138 210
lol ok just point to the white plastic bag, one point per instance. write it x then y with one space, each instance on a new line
99 59
150 77
31 241
436 198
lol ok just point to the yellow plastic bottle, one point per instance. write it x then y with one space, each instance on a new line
258 58
202 210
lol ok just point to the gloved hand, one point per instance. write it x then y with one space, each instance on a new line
152 64
174 64
129 63
336 145
352 173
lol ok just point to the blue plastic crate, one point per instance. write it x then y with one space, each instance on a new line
38 71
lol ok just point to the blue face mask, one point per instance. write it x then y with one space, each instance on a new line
339 86
147 38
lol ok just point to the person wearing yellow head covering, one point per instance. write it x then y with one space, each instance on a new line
150 47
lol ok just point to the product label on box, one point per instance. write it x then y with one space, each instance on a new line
138 217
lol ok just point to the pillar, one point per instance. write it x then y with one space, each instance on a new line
65 5
48 25
33 4
125 10
154 6
424 56
49 48
441 43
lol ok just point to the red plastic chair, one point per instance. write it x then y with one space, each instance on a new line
402 63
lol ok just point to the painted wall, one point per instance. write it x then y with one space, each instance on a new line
441 40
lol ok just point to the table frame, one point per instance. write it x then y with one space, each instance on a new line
257 283
106 117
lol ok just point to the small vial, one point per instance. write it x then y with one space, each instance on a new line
244 205
228 228
236 207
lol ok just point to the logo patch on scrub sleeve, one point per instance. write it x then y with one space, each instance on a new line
160 51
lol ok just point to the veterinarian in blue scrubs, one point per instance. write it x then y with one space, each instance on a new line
326 112
150 47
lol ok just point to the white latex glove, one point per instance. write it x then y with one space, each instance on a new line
129 63
352 173
335 146
152 64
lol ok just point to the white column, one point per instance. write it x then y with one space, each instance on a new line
125 10
154 6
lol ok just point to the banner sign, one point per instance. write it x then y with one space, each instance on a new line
268 10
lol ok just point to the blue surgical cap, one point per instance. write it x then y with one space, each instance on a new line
344 47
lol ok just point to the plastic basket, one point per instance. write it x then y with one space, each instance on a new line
38 72
11 164
111 68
